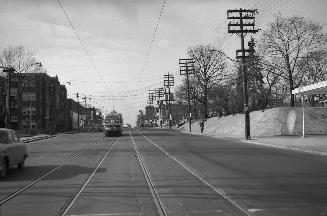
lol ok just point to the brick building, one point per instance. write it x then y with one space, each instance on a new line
3 81
38 103
30 102
74 114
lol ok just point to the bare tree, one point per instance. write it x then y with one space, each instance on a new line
210 68
181 94
285 43
23 61
315 65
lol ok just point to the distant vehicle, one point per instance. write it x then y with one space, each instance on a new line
126 126
113 123
12 151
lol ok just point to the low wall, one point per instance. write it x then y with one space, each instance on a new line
271 122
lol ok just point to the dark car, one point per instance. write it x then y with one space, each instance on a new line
12 151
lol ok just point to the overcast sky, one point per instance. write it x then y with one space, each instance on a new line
117 36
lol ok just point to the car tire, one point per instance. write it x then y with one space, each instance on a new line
3 172
21 165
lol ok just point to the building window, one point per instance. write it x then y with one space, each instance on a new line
14 118
26 124
29 110
29 83
14 79
13 92
29 96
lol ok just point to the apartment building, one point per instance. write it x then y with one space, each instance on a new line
2 102
37 103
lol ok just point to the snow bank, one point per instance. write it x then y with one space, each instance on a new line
271 122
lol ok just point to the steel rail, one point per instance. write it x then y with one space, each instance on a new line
21 190
155 196
221 193
71 202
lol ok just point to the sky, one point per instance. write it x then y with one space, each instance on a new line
118 50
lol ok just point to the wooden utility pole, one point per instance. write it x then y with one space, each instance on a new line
169 82
159 93
150 103
187 68
243 22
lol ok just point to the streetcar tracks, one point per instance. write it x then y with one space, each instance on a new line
218 191
21 190
156 199
160 207
70 203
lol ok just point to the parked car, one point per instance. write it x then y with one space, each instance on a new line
12 151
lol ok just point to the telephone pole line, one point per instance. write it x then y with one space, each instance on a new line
186 68
169 82
244 21
150 102
159 93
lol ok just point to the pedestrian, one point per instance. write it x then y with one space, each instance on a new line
202 125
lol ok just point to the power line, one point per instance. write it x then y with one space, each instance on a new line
152 40
80 40
263 7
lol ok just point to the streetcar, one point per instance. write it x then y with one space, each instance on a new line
113 123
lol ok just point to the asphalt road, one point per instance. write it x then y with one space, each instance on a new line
161 172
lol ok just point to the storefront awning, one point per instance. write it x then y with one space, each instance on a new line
316 88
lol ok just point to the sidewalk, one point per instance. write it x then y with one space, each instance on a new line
35 138
314 144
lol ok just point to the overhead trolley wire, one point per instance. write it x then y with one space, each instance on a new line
80 40
152 40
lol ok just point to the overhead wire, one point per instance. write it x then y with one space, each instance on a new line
88 54
254 4
262 6
222 40
80 40
148 51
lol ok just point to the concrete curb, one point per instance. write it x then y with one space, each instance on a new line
297 149
284 147
33 139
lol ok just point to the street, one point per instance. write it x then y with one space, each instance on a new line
163 172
